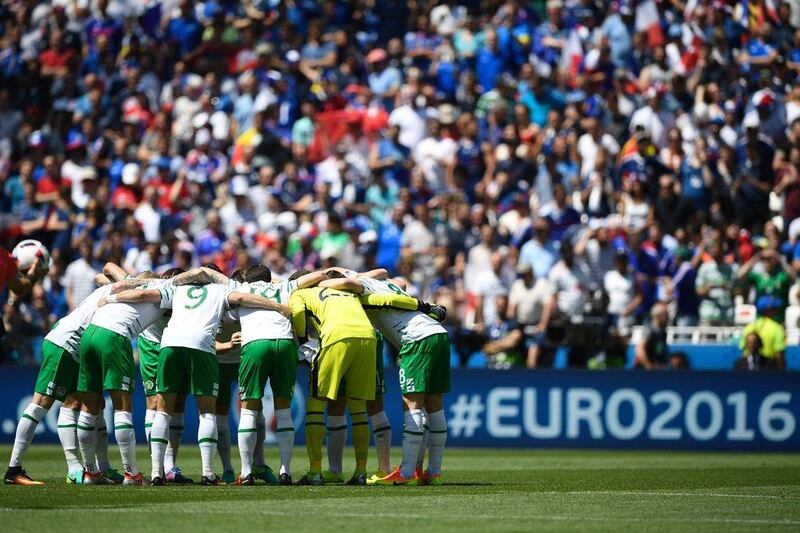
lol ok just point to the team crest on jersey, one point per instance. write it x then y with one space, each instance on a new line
149 385
61 392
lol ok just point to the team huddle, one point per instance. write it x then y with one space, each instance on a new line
198 332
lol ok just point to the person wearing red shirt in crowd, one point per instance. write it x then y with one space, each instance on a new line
56 59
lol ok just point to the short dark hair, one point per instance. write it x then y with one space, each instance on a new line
298 273
172 272
333 274
238 275
213 267
258 273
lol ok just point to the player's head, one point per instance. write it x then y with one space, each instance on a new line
172 272
147 275
333 274
258 273
238 275
298 273
213 267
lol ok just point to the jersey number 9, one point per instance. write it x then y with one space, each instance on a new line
197 295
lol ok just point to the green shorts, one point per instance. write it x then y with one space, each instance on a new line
182 370
380 379
58 375
228 375
264 359
425 365
106 361
148 365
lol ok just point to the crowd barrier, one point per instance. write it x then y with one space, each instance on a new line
549 408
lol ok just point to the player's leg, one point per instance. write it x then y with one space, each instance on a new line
126 436
174 366
412 366
252 380
435 384
58 377
282 380
67 434
205 387
148 368
227 376
90 385
34 413
118 379
173 473
381 430
360 428
327 372
101 447
336 436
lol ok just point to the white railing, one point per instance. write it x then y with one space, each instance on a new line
708 335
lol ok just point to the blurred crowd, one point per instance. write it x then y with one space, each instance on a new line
551 171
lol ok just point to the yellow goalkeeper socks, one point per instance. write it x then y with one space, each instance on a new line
360 428
315 432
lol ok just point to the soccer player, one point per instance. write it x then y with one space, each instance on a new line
188 360
268 352
58 379
149 346
19 283
424 377
106 364
347 351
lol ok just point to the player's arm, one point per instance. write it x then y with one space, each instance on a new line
200 276
21 283
243 299
376 273
128 284
101 280
311 279
403 302
297 306
225 347
344 284
132 296
114 272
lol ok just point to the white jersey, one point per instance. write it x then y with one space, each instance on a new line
66 333
154 331
398 326
260 324
131 319
229 324
196 312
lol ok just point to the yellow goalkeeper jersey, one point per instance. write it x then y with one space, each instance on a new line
336 315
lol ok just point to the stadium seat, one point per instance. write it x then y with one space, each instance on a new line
793 317
477 360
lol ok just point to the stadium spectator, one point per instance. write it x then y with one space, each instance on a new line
770 332
530 305
714 287
652 351
79 276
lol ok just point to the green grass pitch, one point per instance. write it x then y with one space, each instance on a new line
486 490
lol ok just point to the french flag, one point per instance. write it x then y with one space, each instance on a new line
647 21
572 54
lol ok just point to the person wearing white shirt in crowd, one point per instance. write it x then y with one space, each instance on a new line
79 276
623 294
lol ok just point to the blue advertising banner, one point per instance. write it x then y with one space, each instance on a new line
556 408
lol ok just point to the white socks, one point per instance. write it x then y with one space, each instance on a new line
87 439
159 436
207 440
67 427
224 442
101 452
436 441
149 415
284 432
175 435
247 435
413 429
261 435
26 427
337 435
423 445
126 440
382 433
